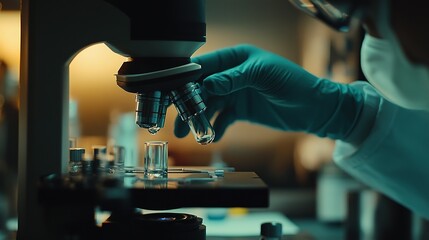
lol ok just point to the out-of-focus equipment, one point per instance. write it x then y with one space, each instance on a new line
8 147
159 38
335 13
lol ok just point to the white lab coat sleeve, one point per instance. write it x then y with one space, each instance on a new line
393 158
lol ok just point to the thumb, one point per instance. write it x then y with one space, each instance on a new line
226 82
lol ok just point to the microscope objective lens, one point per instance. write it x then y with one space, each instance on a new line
153 130
201 128
191 107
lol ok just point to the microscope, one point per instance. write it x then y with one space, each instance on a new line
164 35
158 37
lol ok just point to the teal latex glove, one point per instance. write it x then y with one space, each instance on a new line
250 84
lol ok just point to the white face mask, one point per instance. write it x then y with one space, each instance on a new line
389 70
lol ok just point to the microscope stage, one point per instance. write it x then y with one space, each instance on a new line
190 187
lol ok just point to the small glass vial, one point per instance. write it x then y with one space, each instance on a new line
156 159
75 161
271 231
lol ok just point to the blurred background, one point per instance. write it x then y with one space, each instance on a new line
101 113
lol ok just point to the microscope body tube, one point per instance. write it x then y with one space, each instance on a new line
175 30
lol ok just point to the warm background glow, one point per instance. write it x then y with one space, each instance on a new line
10 39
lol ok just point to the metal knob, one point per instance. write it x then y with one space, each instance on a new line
271 231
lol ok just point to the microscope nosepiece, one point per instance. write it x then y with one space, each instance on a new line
157 89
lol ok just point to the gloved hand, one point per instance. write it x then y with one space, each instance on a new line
250 84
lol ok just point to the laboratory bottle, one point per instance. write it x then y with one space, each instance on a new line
271 231
99 159
119 160
75 161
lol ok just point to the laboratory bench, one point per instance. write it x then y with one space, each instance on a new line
309 229
292 207
295 208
